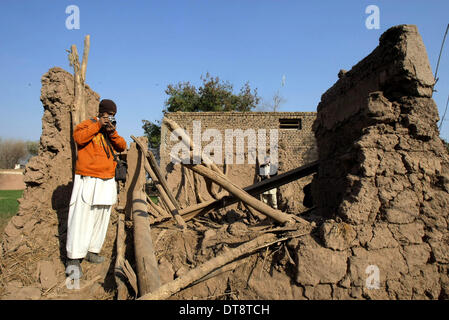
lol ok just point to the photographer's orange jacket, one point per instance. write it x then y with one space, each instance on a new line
92 158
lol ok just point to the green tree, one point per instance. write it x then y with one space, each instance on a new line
11 151
153 132
33 147
213 95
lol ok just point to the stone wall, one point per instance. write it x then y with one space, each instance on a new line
295 148
383 181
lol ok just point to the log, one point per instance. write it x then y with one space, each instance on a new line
135 177
79 78
160 177
158 209
170 288
254 190
85 58
162 180
147 266
78 110
122 291
189 143
197 183
219 264
131 275
83 111
239 193
74 62
204 159
165 198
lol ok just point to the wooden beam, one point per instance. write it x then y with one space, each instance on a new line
254 190
160 178
165 198
147 266
239 193
213 265
135 179
122 291
189 143
85 58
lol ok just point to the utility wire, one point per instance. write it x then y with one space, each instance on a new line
436 79
439 57
444 114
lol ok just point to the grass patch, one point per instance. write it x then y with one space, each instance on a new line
8 205
154 199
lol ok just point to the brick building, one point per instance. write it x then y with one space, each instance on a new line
289 134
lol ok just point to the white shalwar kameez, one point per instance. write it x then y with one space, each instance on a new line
268 197
90 209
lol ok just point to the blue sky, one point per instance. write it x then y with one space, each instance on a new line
139 47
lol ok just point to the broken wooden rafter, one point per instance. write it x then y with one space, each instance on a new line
122 268
254 190
164 192
157 208
239 193
189 143
79 78
213 265
147 266
122 291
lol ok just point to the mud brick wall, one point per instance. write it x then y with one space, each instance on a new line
295 148
383 181
48 176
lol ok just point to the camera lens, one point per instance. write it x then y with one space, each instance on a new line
112 120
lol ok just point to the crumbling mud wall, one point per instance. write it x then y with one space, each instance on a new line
383 181
295 148
38 230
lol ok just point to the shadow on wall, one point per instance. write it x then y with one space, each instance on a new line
60 202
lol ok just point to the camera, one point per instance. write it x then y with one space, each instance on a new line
112 120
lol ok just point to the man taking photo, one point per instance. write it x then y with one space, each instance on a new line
94 188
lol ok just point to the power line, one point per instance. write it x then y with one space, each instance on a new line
444 114
436 79
441 50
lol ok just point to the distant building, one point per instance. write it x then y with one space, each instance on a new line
295 142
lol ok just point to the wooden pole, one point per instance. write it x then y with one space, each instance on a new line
174 211
238 192
254 190
189 143
85 58
82 102
74 62
78 110
79 77
135 179
170 288
160 178
158 209
122 291
197 184
147 267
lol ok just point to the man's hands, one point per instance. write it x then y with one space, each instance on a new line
106 124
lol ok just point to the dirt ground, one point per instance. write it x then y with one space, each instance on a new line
38 272
11 180
263 275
